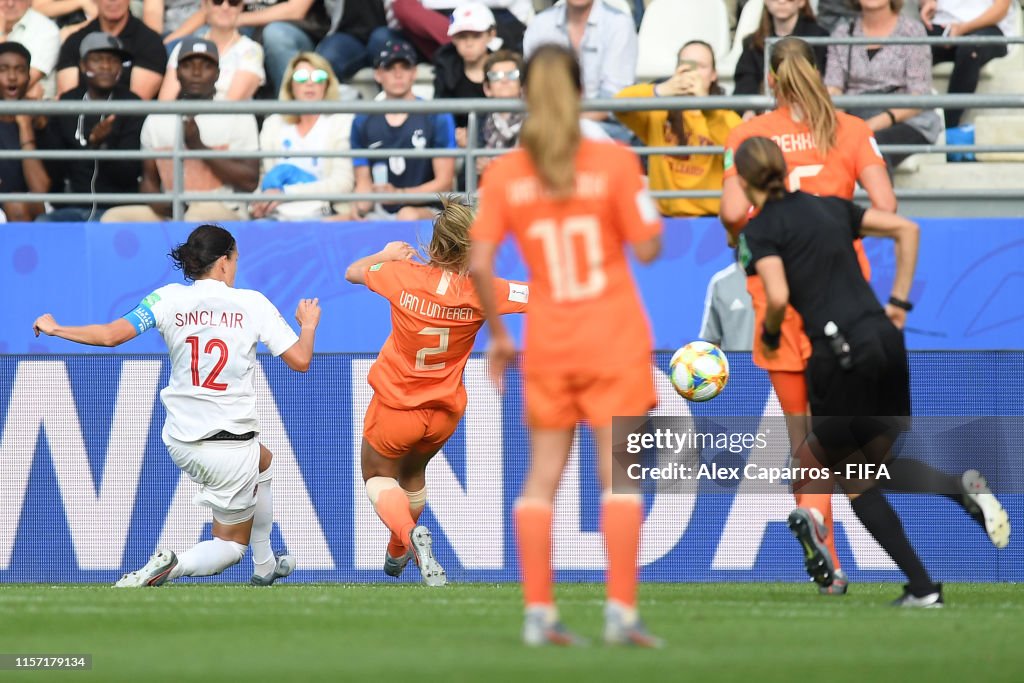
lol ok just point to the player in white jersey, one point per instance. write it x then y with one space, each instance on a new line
211 330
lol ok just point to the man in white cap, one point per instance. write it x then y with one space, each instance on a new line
459 66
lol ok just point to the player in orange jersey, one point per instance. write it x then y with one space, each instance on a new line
573 206
827 153
418 395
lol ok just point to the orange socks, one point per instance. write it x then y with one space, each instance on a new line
822 502
392 506
622 516
533 531
417 500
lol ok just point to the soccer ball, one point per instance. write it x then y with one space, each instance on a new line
699 371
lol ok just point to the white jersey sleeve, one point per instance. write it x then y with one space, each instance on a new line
276 334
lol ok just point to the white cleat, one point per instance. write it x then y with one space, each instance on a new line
932 600
542 628
985 508
430 568
284 566
623 627
153 573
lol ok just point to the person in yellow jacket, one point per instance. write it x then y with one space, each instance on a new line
695 75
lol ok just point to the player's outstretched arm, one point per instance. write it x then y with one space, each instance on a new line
111 334
300 354
392 251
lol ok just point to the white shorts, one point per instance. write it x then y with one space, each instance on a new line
227 473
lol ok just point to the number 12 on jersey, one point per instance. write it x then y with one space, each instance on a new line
572 281
212 345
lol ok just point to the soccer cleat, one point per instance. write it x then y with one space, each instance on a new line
620 629
539 629
422 547
393 566
840 584
284 566
986 510
809 529
931 600
153 573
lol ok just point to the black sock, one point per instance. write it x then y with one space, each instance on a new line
878 517
914 476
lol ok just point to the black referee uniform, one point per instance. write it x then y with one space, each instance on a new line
814 238
857 377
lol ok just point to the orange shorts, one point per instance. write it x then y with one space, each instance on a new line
794 346
394 433
560 400
791 388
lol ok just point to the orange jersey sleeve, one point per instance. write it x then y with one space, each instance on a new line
584 306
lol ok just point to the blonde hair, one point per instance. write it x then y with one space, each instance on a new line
315 61
551 132
449 244
760 162
798 84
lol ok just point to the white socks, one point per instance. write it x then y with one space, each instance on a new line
262 522
208 558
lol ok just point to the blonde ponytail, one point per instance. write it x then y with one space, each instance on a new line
551 131
798 84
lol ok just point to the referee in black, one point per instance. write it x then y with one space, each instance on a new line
858 379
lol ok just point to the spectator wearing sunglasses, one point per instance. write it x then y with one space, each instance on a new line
241 57
309 78
395 72
459 65
500 129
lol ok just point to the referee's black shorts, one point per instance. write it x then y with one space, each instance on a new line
863 408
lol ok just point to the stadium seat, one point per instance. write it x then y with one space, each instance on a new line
749 19
667 24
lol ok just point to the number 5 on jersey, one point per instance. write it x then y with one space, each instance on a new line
212 345
572 281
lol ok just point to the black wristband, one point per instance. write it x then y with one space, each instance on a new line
769 339
892 117
900 303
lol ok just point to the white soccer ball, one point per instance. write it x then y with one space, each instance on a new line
699 371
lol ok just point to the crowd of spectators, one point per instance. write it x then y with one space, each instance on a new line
308 50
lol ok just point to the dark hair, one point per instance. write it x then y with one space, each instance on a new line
503 56
766 28
204 246
759 161
675 116
551 132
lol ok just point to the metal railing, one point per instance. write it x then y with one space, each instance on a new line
474 108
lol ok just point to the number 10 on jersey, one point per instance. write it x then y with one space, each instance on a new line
562 241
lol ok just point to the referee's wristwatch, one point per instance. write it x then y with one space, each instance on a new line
901 303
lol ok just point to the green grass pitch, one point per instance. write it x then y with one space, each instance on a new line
754 633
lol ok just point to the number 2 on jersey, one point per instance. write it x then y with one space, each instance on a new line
572 281
212 345
421 355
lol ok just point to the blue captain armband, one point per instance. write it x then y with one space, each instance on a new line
141 318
